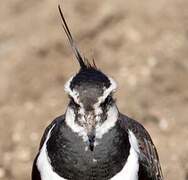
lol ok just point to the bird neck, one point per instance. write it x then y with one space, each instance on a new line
100 129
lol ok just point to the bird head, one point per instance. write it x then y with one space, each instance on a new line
91 96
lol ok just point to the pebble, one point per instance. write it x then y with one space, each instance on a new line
2 173
163 124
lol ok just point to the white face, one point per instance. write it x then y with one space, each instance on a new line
85 120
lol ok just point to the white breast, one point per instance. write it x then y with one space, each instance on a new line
43 163
130 170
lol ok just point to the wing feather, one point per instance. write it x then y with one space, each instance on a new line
35 175
148 154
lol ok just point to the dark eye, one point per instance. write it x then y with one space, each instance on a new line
73 103
108 101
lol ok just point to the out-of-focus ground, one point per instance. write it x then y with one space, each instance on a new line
142 44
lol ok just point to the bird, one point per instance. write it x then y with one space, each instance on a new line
93 140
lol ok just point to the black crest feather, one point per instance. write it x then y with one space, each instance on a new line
75 49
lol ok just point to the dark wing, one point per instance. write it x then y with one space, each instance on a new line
35 173
55 121
148 154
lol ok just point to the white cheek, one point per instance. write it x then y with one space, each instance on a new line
112 116
70 121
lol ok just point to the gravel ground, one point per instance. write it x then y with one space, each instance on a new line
142 44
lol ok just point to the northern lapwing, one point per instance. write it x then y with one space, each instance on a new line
93 140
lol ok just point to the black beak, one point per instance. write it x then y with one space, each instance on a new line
91 139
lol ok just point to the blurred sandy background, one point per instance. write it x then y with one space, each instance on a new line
142 44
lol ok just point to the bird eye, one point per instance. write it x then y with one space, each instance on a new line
73 103
108 101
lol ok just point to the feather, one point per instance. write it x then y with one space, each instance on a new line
71 41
